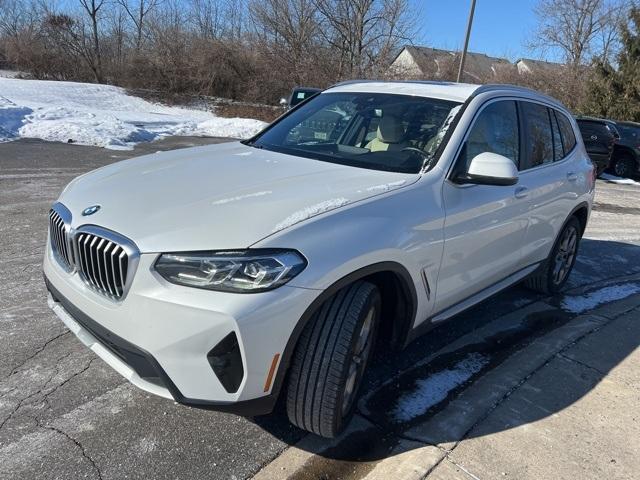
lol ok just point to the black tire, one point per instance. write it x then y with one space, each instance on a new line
545 279
624 166
324 359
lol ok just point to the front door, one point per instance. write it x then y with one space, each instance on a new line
485 224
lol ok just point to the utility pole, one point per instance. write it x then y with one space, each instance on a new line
466 40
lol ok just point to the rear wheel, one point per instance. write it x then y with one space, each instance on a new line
330 359
624 166
554 273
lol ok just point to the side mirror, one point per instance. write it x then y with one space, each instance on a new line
283 102
490 169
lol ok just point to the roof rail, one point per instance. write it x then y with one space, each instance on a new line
424 82
492 87
489 87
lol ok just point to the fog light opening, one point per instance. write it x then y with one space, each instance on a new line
226 361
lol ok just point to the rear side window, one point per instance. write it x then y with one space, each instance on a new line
558 149
566 131
496 131
539 146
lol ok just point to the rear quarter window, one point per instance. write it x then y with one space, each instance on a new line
566 132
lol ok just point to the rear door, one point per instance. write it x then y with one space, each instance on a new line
549 172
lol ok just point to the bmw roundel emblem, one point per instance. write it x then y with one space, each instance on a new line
90 210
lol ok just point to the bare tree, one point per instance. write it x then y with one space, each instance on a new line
579 29
208 17
92 9
364 32
138 10
288 32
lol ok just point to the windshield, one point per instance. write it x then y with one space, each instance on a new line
369 130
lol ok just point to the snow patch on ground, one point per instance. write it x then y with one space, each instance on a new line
618 180
589 301
102 115
309 212
432 390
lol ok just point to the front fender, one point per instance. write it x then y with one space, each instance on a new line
403 227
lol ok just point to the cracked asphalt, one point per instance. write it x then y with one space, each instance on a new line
66 414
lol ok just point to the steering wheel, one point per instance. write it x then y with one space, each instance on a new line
415 150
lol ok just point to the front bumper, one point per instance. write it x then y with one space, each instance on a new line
159 336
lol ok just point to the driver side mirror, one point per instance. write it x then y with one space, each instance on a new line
489 168
283 102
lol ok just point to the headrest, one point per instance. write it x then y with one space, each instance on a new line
390 130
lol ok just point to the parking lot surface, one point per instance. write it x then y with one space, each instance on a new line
65 414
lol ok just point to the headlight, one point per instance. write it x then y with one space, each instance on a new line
239 271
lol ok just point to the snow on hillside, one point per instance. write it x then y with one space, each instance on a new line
102 115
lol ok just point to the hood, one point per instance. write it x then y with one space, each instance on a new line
225 196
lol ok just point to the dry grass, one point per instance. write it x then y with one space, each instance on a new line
266 113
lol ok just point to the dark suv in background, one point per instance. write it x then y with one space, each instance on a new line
625 161
600 137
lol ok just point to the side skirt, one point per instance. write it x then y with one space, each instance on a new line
469 302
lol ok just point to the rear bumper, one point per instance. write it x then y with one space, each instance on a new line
138 366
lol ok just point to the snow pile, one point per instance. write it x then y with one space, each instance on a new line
102 115
432 390
10 119
619 180
589 301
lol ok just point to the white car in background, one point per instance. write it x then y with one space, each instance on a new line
227 275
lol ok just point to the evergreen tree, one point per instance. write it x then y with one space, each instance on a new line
615 92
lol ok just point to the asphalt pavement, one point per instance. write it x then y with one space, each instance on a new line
65 414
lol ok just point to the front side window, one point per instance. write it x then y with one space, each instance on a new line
369 130
496 131
539 146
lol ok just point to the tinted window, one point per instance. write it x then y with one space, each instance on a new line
299 95
496 131
558 149
629 132
568 138
539 148
589 130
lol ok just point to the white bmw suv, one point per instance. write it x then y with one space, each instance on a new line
227 275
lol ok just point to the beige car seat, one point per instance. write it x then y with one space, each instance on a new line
389 136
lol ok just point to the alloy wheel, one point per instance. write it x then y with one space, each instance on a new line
359 360
566 254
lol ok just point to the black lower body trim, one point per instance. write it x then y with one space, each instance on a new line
148 368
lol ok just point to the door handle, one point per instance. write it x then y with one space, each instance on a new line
521 192
572 177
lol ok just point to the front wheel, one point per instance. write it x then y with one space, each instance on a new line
554 273
330 359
